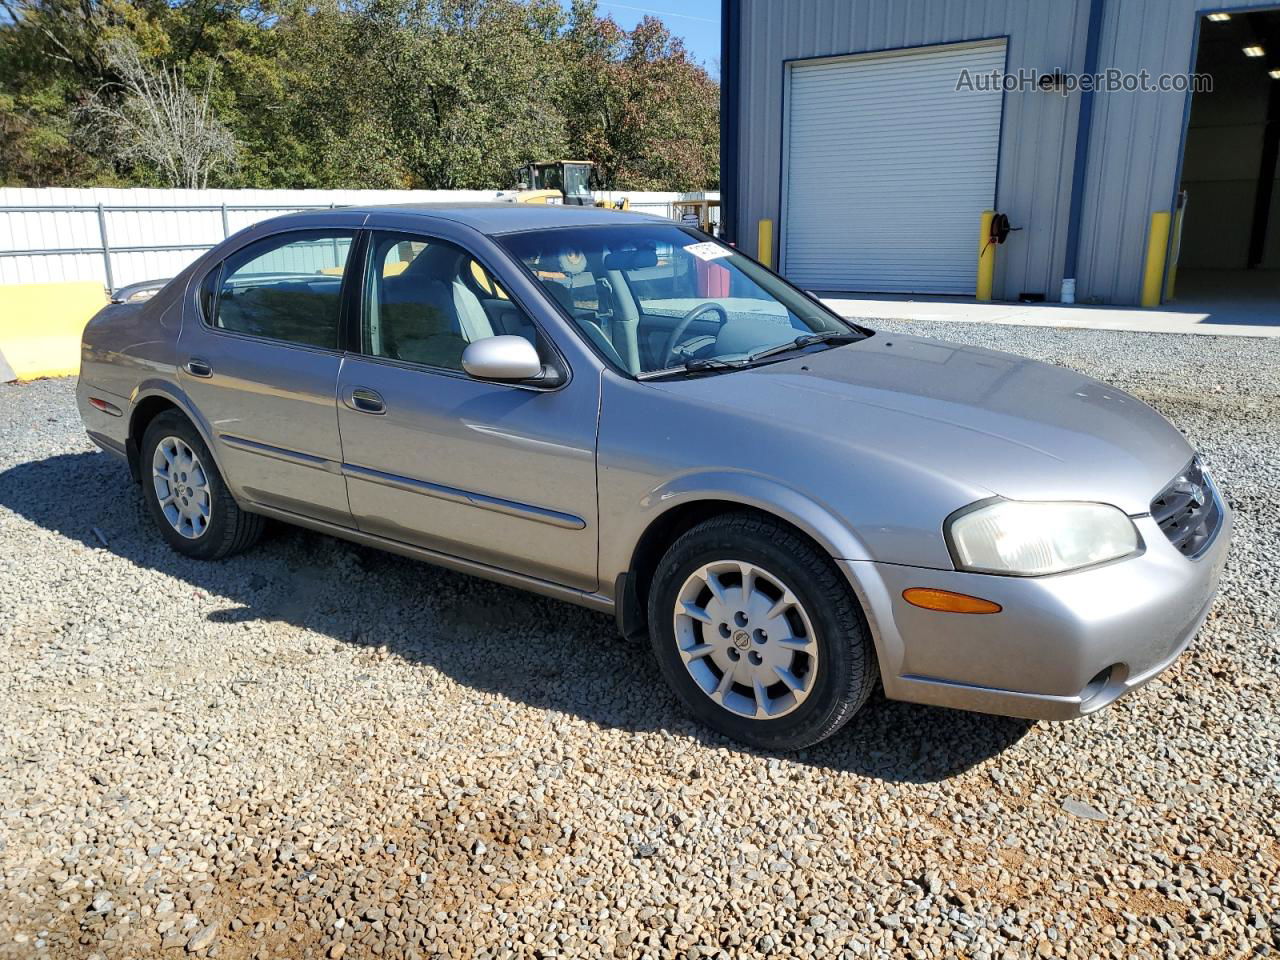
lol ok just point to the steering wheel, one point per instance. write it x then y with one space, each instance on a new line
669 356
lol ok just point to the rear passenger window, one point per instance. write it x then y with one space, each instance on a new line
286 287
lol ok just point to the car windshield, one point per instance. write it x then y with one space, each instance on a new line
657 297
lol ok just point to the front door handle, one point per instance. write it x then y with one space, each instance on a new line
199 368
364 400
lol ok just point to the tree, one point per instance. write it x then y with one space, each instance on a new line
45 48
153 116
639 106
430 93
339 93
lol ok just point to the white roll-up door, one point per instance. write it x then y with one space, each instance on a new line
887 169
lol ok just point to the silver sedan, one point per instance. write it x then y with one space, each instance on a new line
621 412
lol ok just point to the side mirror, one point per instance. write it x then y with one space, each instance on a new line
502 358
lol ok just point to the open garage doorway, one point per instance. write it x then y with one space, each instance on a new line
1228 260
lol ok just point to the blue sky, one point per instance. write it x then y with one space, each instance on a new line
697 22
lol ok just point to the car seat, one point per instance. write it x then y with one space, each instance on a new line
427 314
562 293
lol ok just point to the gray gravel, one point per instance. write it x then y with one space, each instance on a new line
318 750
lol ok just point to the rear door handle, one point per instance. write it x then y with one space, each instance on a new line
365 400
199 368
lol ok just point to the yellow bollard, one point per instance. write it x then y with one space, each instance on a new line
764 243
986 257
1157 250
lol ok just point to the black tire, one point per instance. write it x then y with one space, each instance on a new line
846 670
229 528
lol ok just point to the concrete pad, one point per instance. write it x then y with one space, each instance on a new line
1248 297
1258 317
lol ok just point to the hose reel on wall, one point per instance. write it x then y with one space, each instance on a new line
1000 228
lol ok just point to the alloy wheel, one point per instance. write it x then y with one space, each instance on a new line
746 639
181 487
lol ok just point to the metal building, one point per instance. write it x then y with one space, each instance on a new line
860 147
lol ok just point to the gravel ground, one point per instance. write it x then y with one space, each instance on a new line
319 750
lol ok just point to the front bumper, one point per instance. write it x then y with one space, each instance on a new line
1063 645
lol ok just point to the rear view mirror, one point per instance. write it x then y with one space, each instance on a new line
632 259
502 358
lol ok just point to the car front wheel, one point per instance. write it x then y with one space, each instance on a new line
186 495
759 634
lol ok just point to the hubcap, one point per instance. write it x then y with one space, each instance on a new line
745 639
181 487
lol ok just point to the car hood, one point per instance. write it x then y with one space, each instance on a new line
1018 428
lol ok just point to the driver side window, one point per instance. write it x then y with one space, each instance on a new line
426 300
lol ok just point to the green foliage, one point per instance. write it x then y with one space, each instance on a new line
361 93
639 107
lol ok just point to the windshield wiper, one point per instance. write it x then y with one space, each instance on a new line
807 340
715 364
703 365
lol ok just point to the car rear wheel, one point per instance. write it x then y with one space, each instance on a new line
759 634
185 493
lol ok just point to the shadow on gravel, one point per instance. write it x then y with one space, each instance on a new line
530 649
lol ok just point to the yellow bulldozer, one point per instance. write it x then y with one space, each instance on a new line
560 181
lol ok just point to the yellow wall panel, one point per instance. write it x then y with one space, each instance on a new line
40 326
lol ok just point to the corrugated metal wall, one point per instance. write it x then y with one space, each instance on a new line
1035 168
27 230
1134 149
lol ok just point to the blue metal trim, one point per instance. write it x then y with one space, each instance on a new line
1004 102
730 100
1084 129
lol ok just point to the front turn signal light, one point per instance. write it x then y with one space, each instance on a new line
947 602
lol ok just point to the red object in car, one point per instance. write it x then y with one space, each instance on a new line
713 280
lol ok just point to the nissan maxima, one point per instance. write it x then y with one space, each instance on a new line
622 412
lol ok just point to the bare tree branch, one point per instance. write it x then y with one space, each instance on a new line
157 118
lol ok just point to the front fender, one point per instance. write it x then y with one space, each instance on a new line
727 486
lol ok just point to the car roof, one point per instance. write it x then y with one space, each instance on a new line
496 217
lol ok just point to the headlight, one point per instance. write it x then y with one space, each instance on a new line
1031 539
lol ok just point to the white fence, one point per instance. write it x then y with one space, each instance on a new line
121 236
